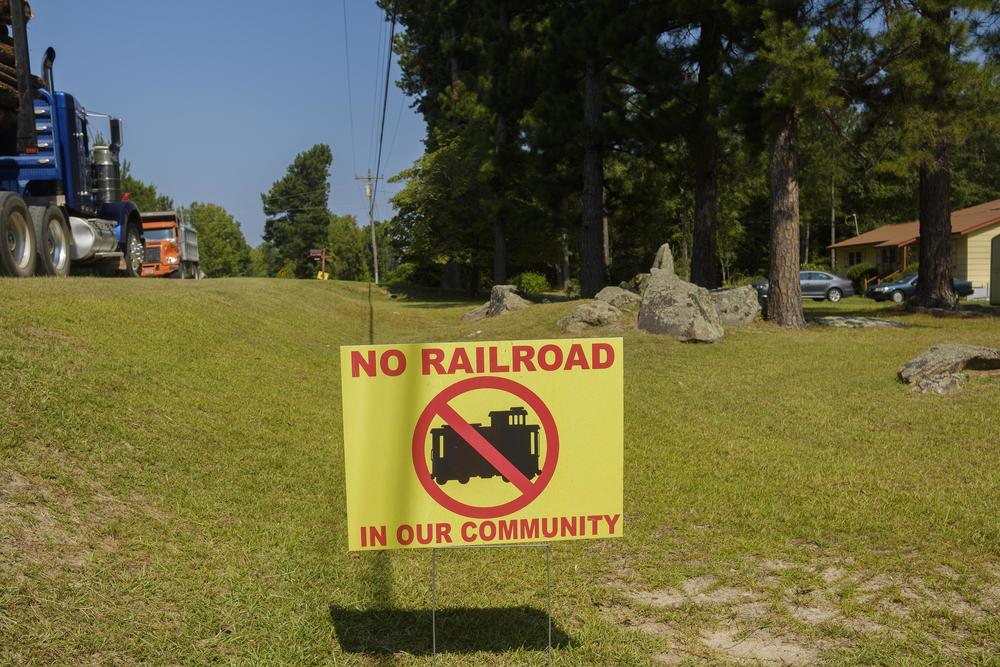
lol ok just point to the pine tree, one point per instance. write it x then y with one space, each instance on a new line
296 209
797 80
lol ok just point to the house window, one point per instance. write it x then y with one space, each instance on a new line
890 256
854 258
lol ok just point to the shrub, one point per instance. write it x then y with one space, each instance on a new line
740 280
404 274
858 273
816 266
572 288
531 283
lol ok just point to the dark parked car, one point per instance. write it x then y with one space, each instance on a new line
816 285
903 288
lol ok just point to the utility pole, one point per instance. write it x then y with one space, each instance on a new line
369 193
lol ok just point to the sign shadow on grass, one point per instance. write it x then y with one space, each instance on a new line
459 630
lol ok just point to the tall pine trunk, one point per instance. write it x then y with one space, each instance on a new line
453 65
502 158
704 254
784 301
500 221
934 283
592 225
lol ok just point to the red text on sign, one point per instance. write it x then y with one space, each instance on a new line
481 360
390 362
496 530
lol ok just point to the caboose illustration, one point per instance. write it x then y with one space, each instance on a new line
452 458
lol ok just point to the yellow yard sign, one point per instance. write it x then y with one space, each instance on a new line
455 444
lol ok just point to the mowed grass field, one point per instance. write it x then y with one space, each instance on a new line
172 492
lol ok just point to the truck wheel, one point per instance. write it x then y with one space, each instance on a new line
17 237
135 252
52 234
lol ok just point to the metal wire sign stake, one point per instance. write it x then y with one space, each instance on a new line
548 587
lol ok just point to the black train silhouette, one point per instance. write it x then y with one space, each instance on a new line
452 458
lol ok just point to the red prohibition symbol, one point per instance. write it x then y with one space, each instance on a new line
440 407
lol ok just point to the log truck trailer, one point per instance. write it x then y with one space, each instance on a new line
60 197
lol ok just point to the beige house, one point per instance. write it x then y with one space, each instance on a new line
894 247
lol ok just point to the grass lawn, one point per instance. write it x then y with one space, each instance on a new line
171 492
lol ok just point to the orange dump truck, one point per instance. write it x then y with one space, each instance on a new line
171 247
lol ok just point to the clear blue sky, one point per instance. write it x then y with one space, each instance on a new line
218 97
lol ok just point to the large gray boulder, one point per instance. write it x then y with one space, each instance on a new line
589 314
664 260
620 298
940 370
503 299
678 308
737 306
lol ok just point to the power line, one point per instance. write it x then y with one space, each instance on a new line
399 116
372 181
375 89
350 96
385 103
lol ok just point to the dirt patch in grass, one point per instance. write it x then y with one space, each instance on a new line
801 613
59 517
761 646
700 590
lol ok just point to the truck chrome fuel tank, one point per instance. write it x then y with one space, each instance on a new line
91 237
107 177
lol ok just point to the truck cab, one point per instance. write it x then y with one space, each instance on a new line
171 247
60 185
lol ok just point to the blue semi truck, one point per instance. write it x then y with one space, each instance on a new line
60 181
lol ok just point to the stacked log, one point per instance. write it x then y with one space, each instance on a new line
5 11
8 73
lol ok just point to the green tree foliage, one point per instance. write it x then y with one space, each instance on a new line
263 261
222 247
745 134
144 195
296 210
347 245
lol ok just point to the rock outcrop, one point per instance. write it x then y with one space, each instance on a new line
844 322
664 260
590 314
736 306
620 298
680 309
503 299
676 307
941 369
637 284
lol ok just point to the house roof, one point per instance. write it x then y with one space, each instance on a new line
963 222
